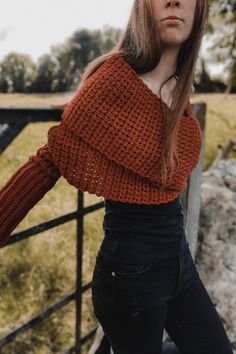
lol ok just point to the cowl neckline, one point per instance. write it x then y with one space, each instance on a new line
145 87
114 126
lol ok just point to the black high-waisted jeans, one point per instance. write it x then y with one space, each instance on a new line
135 302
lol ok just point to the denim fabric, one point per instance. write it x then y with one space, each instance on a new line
135 302
144 218
129 248
140 233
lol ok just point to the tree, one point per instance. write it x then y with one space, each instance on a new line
46 72
60 70
222 32
204 83
66 72
18 72
81 48
109 38
4 86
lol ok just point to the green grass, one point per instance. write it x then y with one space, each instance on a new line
220 122
38 271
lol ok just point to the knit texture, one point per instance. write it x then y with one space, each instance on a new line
108 143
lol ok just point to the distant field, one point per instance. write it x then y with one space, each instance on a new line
36 100
38 271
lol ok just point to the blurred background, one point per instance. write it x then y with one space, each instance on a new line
44 47
46 44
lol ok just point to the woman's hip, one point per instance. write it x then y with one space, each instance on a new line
131 288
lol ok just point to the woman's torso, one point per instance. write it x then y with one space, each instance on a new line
141 233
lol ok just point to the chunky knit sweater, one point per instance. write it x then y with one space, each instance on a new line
108 143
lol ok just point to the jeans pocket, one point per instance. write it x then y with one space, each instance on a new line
126 269
109 267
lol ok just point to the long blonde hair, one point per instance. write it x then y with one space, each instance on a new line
142 53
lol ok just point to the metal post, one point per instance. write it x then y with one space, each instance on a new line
79 249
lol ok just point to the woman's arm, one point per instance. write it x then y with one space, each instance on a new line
24 189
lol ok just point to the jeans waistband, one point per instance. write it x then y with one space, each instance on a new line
157 209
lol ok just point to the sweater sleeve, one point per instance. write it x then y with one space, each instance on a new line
25 187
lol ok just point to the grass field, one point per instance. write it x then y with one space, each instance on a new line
38 271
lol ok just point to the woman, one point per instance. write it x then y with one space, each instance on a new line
122 139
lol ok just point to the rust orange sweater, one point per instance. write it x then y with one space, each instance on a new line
108 143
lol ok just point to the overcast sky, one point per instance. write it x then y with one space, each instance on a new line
32 26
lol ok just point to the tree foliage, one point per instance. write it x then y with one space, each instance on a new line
46 72
60 69
222 33
17 72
